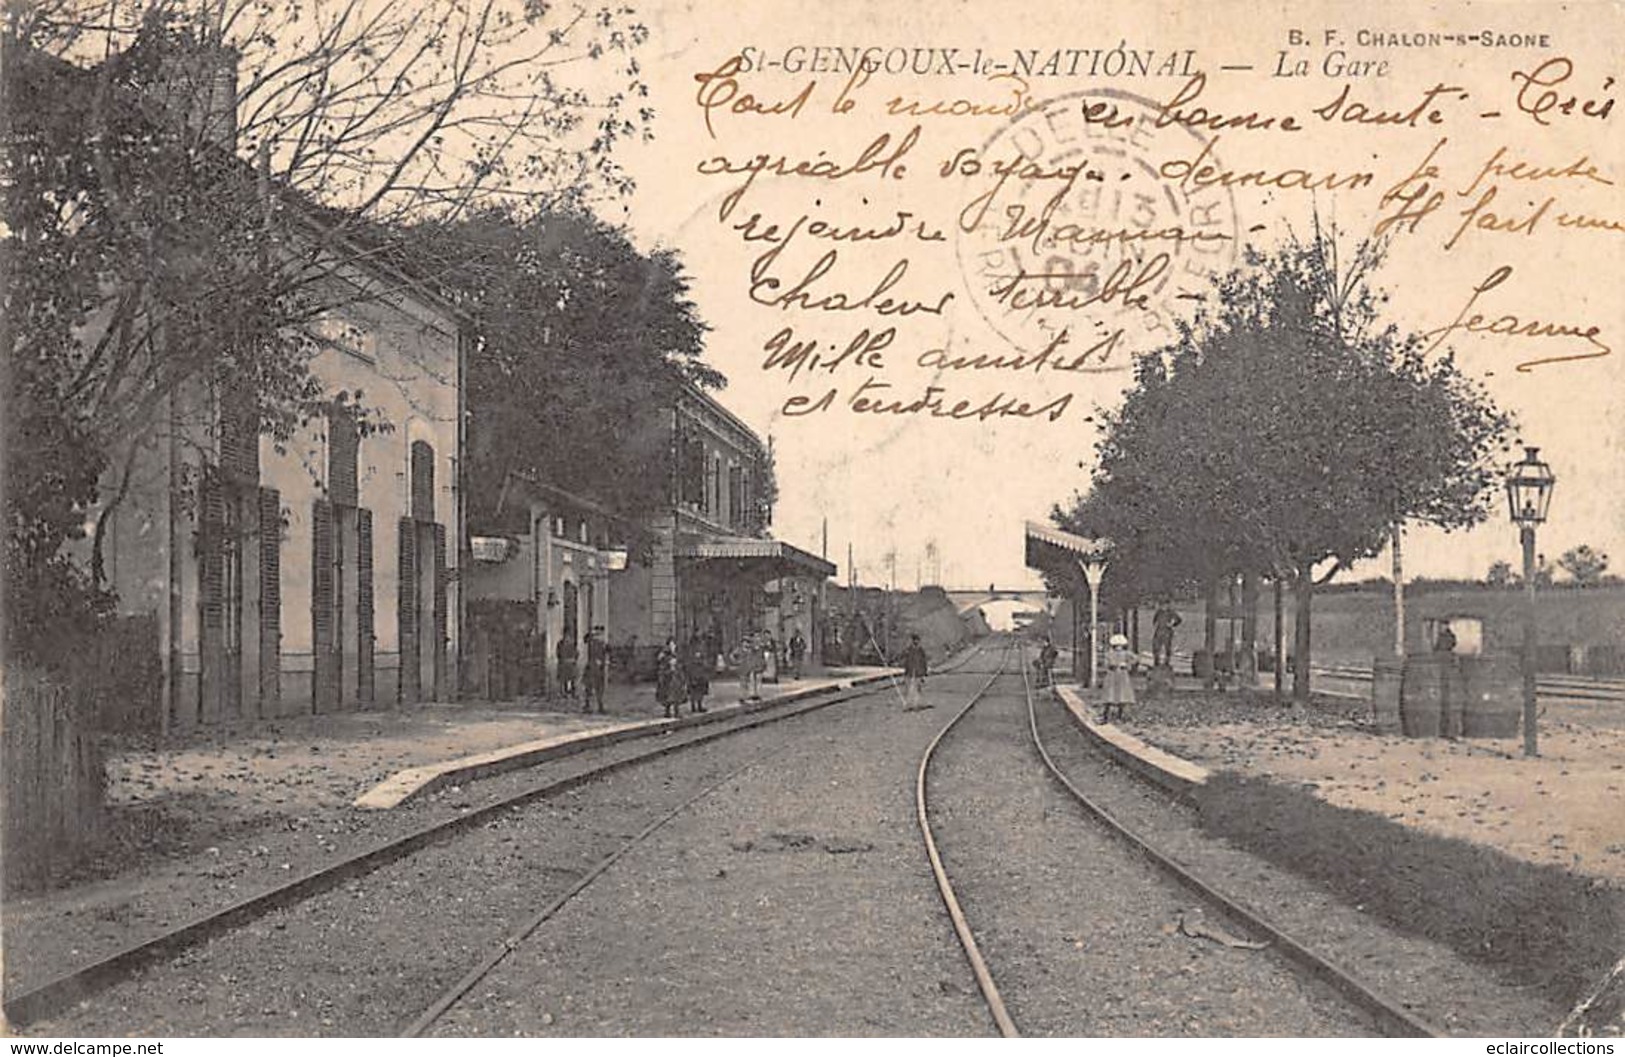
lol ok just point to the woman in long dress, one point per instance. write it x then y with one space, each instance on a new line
1119 690
670 686
698 673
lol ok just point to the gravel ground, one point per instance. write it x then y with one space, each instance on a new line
1079 932
798 903
201 819
364 959
353 961
1453 994
1561 809
48 936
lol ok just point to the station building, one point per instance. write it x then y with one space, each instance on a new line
553 564
314 575
260 578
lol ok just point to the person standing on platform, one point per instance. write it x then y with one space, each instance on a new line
1047 656
597 669
1119 689
566 653
670 685
798 650
697 672
748 662
915 666
1163 623
1451 701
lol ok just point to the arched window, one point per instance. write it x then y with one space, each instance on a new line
343 449
422 481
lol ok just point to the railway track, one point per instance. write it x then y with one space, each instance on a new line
950 899
63 991
1387 1015
1390 1016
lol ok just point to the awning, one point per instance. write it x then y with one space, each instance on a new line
787 560
1043 542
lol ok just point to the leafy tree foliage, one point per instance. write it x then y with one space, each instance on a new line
1584 565
162 287
1288 428
1501 574
585 345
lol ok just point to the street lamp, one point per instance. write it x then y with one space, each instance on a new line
1529 494
1092 568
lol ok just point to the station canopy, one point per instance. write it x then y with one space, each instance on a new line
764 557
1048 548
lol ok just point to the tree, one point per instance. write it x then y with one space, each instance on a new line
585 344
1287 428
1584 566
165 289
1501 575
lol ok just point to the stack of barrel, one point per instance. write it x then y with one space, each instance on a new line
1433 695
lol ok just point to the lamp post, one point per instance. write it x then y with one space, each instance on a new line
1092 569
1529 494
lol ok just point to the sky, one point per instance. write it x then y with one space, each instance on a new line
898 485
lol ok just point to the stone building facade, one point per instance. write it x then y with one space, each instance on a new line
552 564
322 573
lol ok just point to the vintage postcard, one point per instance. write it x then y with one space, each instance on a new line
431 426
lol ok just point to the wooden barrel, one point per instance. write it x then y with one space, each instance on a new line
1492 688
1420 695
1386 673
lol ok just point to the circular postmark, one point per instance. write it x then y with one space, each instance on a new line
1068 228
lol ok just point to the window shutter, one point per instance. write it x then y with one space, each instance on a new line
441 635
211 589
239 438
422 481
409 684
270 531
321 605
364 607
343 447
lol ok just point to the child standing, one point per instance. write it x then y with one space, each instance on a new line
1119 690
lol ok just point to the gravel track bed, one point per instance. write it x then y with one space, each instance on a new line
367 957
56 934
797 902
1448 991
1078 931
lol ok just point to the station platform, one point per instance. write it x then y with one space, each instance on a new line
378 759
415 781
1560 808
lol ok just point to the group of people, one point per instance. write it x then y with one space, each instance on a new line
685 674
596 676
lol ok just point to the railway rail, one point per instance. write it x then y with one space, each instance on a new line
61 992
1389 1016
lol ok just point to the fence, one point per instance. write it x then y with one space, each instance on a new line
54 781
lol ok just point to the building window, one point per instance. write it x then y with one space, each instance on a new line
691 472
343 449
736 496
422 481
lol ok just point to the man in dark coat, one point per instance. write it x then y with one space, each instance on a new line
798 650
915 664
566 653
1163 623
597 669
